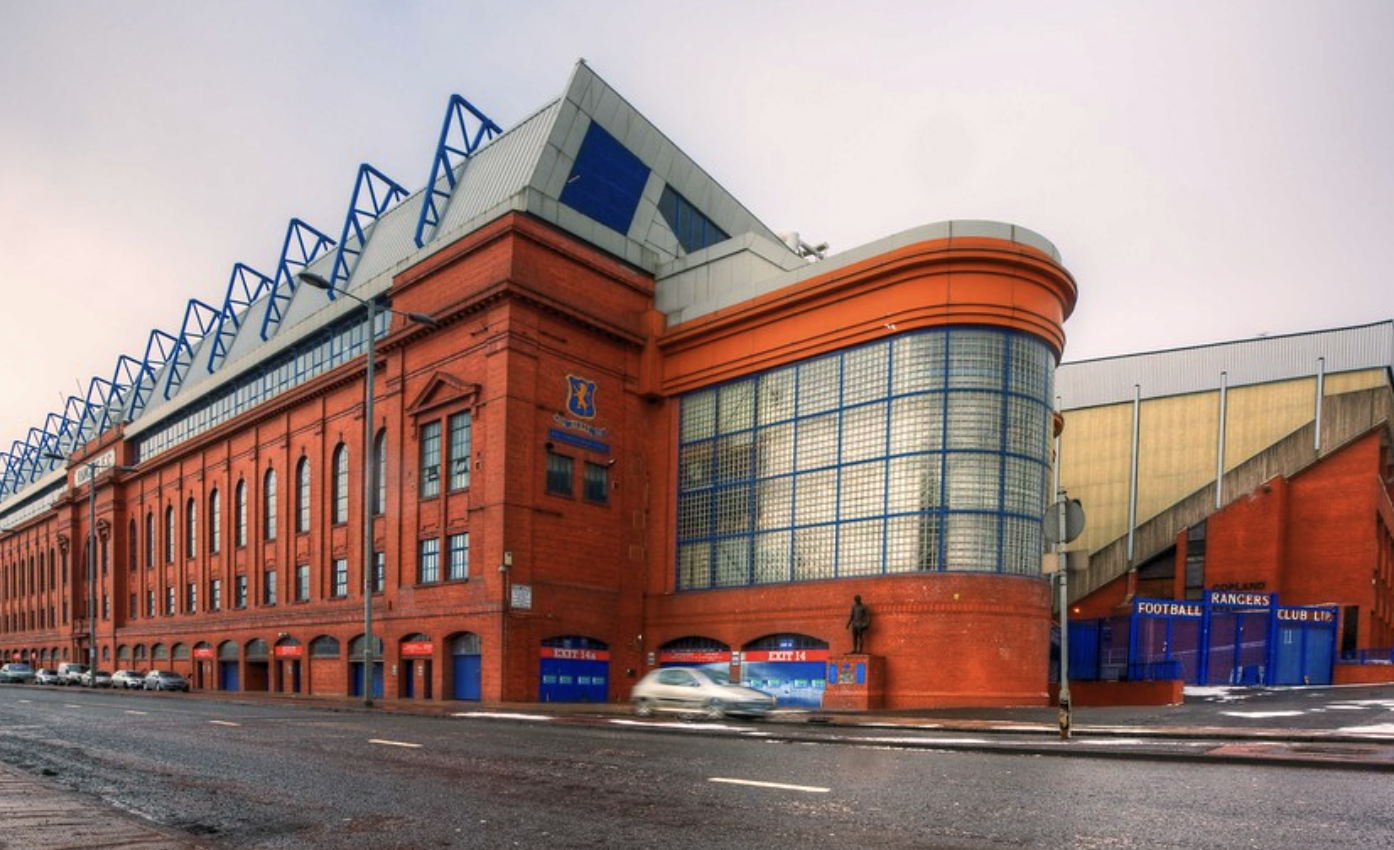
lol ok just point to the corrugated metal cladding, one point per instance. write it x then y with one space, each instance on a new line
1111 380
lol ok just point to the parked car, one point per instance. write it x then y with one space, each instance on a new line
165 680
16 673
127 679
70 673
45 676
95 679
697 690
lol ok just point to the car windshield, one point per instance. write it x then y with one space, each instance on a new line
721 677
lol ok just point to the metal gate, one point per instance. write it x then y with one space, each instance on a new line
1227 638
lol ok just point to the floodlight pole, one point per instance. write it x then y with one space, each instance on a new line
1062 569
369 467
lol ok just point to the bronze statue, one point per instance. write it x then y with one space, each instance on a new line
859 621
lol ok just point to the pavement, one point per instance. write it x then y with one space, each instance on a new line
1343 728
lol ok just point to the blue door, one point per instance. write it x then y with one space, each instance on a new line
227 676
574 680
466 674
356 679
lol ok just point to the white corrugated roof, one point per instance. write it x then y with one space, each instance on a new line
1177 371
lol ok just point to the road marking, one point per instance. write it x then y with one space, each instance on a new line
71 705
133 711
224 723
811 789
394 743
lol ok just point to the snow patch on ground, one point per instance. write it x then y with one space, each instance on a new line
501 715
1383 730
1222 693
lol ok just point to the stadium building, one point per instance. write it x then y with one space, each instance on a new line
616 422
1240 524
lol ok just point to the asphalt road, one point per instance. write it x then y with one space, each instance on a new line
271 776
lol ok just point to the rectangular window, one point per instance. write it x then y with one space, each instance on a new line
459 451
428 565
559 474
340 578
302 583
430 459
149 603
596 483
215 595
268 588
239 592
459 550
106 607
379 572
169 600
135 606
191 598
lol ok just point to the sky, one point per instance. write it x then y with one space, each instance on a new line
1208 170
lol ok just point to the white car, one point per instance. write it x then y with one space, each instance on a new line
127 679
697 690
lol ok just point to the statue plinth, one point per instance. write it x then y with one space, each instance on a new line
855 682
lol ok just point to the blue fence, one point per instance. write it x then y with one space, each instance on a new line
1226 638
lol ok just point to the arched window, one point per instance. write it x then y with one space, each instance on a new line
302 495
241 508
215 522
268 503
169 534
341 473
191 528
380 464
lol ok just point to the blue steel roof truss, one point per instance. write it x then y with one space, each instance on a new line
159 348
457 144
241 292
198 321
302 246
363 213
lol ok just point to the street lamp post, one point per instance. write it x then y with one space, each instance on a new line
317 281
93 467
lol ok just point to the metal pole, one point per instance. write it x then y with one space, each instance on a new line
368 469
1321 391
1220 455
1063 569
92 574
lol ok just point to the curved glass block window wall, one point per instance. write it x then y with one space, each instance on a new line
927 451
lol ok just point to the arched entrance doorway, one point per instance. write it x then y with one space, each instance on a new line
203 665
356 667
229 670
574 668
415 654
256 663
465 666
289 653
792 667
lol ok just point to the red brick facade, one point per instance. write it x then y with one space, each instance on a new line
522 308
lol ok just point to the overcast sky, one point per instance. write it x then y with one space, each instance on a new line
1209 170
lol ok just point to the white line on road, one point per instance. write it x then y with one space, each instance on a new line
811 789
71 705
224 723
394 743
133 711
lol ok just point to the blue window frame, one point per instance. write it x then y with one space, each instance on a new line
927 451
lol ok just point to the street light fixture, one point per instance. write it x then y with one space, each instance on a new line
93 467
317 281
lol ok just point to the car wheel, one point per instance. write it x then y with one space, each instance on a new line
644 707
713 710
